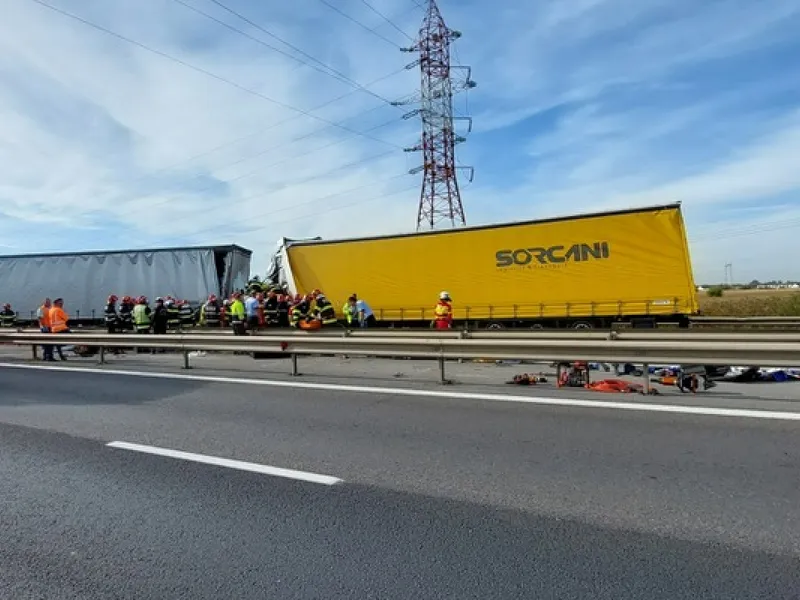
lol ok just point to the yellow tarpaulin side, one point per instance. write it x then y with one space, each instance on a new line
633 263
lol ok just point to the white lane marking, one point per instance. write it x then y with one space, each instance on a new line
226 462
335 387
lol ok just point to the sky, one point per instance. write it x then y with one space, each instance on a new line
148 123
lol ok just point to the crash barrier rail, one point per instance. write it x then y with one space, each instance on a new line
510 334
698 322
745 321
581 347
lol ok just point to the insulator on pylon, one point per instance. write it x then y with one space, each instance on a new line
440 198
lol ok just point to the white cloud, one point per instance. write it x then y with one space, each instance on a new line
103 143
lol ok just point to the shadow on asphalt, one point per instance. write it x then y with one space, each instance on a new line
21 387
122 524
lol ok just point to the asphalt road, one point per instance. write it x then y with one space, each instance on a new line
441 498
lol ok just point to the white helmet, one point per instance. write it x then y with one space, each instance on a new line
444 296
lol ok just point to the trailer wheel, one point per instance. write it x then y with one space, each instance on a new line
582 325
495 326
537 326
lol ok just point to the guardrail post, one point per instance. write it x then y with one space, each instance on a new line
646 386
295 372
442 375
186 360
102 355
33 352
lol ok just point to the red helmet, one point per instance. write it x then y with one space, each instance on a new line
112 299
127 300
212 298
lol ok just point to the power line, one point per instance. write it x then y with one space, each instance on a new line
385 18
280 162
340 207
294 206
357 22
204 71
304 180
323 68
278 147
270 127
746 230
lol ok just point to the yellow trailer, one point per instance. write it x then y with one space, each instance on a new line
579 271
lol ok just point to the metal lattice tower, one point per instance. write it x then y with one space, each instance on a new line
440 199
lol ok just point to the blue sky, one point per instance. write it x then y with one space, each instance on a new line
581 105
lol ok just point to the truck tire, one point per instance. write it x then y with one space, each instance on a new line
582 325
495 326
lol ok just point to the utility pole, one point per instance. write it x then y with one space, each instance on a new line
440 198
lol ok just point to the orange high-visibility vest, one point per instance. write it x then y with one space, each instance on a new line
58 320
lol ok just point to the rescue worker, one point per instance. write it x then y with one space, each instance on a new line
141 318
443 313
283 310
301 311
324 310
271 309
225 313
160 317
350 312
251 311
111 316
312 300
186 314
262 319
59 322
43 314
255 285
238 315
173 315
126 314
209 313
7 316
366 318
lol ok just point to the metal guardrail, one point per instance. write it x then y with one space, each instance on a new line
745 322
696 322
633 347
504 334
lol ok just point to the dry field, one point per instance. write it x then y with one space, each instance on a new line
752 303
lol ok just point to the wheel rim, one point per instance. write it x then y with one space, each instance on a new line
495 326
582 325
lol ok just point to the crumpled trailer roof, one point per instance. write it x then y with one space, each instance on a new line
86 279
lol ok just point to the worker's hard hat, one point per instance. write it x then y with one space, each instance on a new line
212 298
444 296
112 298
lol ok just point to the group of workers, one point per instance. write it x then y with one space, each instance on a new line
242 311
135 314
257 310
52 319
248 312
